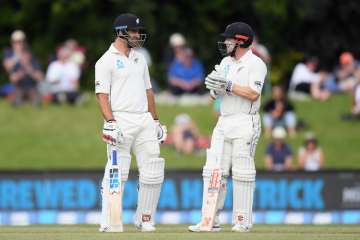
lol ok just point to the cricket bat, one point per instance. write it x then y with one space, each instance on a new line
213 190
115 194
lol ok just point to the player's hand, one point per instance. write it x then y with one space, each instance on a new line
216 81
215 94
161 131
112 133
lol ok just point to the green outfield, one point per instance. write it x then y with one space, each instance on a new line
64 137
179 232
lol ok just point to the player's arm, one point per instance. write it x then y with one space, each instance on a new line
102 89
245 92
257 76
151 103
103 100
268 162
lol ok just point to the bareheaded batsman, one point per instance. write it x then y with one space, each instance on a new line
237 82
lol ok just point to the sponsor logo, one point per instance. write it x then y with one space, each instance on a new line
146 218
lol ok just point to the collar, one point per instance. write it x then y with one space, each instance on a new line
245 57
113 49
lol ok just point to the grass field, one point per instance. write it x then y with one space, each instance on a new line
179 232
65 137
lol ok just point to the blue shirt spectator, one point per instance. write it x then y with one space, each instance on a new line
186 73
278 153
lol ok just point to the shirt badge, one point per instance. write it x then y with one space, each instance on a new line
119 64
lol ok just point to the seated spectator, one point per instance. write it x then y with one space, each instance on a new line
186 73
185 134
23 69
261 51
356 101
311 156
278 154
278 111
177 43
305 80
355 109
63 75
77 53
348 72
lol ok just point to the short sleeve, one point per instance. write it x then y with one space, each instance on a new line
269 150
147 78
102 77
257 76
288 151
199 73
52 73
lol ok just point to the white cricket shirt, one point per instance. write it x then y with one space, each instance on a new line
302 74
249 71
125 79
64 77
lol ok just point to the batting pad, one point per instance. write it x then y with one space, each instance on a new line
152 172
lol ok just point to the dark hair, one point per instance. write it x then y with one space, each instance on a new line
311 59
311 140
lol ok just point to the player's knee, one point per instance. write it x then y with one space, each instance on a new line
211 163
243 167
152 172
125 161
147 150
243 174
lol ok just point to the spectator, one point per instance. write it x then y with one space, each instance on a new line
23 69
185 134
279 112
311 156
348 72
278 153
356 102
63 75
77 53
261 51
177 43
186 73
305 80
355 109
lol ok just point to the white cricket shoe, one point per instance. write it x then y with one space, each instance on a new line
240 228
145 227
215 228
110 229
196 228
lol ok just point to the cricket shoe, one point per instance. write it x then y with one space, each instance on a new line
197 228
240 228
145 227
111 229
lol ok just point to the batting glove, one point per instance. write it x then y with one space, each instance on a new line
161 131
217 82
112 133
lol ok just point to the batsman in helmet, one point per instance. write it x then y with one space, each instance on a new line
237 81
124 93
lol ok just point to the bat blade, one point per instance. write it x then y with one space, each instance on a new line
115 195
211 200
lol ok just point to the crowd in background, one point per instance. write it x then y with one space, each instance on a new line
27 80
60 83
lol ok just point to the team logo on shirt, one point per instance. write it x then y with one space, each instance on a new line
258 84
119 64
